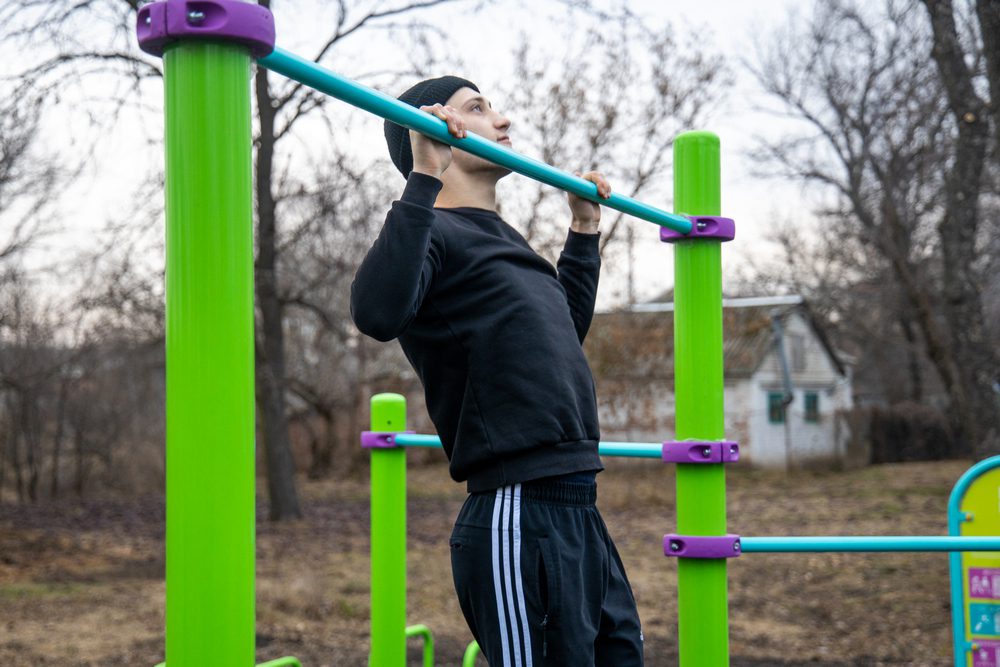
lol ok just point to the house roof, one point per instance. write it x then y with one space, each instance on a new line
640 341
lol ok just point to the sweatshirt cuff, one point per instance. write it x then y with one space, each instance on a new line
421 190
582 245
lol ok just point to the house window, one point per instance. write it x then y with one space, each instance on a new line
775 407
812 407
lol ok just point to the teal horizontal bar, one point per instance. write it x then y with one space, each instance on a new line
636 450
875 543
646 450
414 440
384 106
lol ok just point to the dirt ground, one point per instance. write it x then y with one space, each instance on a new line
82 584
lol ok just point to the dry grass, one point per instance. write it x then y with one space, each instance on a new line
84 586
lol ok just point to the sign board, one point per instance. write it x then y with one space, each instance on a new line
977 514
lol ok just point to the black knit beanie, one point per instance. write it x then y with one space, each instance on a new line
431 91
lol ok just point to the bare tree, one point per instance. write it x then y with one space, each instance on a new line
27 181
329 362
314 220
109 54
29 362
977 365
613 101
880 137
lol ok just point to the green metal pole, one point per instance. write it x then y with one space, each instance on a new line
388 501
209 348
424 633
471 653
703 635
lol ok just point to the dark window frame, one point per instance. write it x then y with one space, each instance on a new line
811 403
777 411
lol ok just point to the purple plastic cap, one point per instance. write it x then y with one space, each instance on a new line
702 227
379 440
161 23
699 546
698 451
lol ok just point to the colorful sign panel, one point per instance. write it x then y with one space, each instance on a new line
984 620
986 654
981 571
984 583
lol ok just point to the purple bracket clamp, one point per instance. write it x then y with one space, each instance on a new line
702 227
700 546
701 451
161 23
380 439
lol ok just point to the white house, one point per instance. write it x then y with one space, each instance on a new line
786 391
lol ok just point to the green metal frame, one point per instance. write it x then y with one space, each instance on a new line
424 633
703 616
209 356
389 631
388 535
210 389
471 653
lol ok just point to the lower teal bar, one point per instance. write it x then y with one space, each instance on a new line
415 440
642 450
637 450
837 544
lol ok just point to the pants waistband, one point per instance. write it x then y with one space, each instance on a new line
562 493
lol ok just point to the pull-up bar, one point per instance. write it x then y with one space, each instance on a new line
382 105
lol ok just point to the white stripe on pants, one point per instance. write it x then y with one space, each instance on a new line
507 536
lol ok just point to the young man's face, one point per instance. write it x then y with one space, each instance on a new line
481 118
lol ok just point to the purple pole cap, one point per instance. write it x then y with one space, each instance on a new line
161 23
699 451
379 440
702 227
701 546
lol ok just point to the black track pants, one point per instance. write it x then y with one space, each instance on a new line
540 581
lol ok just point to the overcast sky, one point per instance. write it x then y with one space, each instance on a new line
485 41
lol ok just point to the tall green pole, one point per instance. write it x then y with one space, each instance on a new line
701 489
388 502
209 347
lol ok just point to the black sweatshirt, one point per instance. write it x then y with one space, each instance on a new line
494 333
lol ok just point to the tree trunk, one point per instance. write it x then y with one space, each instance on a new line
360 408
31 436
975 407
29 423
57 440
4 453
78 441
989 25
323 444
916 385
893 242
284 502
15 463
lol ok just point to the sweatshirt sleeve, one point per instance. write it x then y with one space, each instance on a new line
396 274
579 268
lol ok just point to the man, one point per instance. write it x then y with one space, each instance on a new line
495 335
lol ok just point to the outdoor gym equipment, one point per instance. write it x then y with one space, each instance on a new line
208 48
